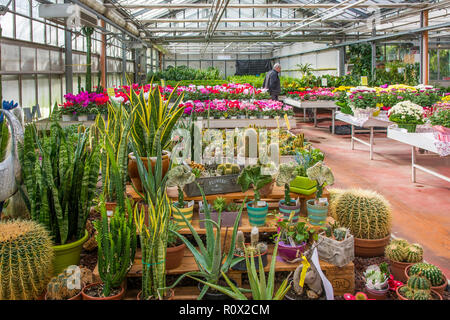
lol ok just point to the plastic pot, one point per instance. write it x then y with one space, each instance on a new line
411 128
317 214
118 296
227 218
133 168
174 256
377 294
286 210
257 215
68 254
303 185
178 212
288 252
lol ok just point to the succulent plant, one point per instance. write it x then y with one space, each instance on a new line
287 173
58 288
429 271
417 288
261 247
395 252
179 176
422 295
414 253
254 236
365 213
26 255
219 204
228 168
401 242
340 233
322 175
240 240
407 292
417 282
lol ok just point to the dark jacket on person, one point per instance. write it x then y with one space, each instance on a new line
272 82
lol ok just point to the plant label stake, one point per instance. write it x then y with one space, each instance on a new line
306 266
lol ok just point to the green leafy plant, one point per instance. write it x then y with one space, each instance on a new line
262 288
180 176
172 238
306 158
209 256
251 176
441 117
297 232
60 179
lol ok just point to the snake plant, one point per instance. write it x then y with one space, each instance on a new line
154 119
60 173
209 258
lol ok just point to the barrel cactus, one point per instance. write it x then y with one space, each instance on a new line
431 272
365 213
417 282
417 288
400 242
407 292
395 252
414 253
58 288
26 256
422 295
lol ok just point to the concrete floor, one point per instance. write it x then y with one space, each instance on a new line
420 210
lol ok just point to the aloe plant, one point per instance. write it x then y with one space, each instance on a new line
209 257
154 119
260 287
60 178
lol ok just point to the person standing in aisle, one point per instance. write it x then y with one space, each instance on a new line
272 82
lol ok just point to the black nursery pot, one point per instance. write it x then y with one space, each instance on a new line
214 295
241 266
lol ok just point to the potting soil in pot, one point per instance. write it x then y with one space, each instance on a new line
96 291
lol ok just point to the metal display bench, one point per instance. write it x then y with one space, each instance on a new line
369 123
320 104
423 140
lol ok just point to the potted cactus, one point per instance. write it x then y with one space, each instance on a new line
402 254
68 284
254 248
175 247
116 241
24 245
228 212
367 215
336 245
257 210
318 207
376 281
180 176
417 288
287 173
435 275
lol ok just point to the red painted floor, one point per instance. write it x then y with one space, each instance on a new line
420 210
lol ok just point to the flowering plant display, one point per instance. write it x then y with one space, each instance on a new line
84 103
441 116
314 94
406 112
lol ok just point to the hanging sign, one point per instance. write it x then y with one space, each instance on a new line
364 81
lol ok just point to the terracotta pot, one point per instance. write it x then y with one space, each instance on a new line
439 289
133 169
267 189
371 248
169 297
434 292
377 294
76 297
118 296
174 256
398 270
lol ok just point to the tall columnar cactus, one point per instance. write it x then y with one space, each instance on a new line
240 240
116 246
26 256
365 213
254 237
431 272
414 253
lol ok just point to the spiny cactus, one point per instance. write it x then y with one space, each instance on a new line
414 253
431 272
228 168
240 240
417 282
261 247
340 233
58 288
407 292
422 295
365 213
395 252
400 242
254 237
26 256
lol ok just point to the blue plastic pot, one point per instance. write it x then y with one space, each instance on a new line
257 216
317 215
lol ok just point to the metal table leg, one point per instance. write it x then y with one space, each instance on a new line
371 143
315 117
333 111
304 114
413 167
352 141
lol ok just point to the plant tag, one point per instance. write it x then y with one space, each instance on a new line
110 92
306 265
191 203
288 125
323 200
109 213
278 121
324 82
364 80
297 202
261 203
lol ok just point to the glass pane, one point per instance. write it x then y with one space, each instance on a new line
28 91
44 95
7 24
43 62
10 88
23 6
433 64
82 66
55 61
444 64
38 32
10 58
28 59
61 39
23 28
56 89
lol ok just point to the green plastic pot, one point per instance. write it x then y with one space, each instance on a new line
257 216
68 254
303 185
317 215
411 128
